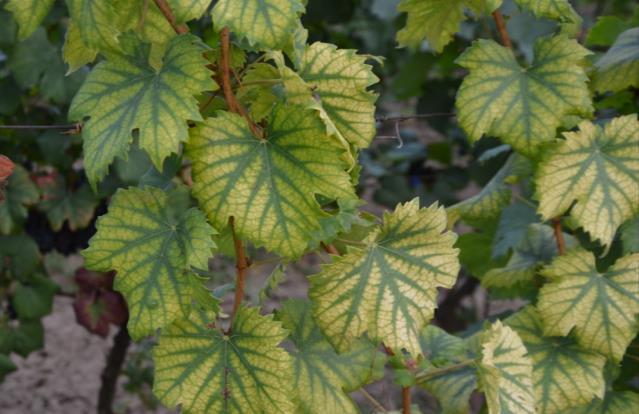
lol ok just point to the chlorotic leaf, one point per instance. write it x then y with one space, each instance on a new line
74 51
339 80
496 194
152 241
564 374
560 10
597 167
61 204
322 377
269 185
205 371
29 14
537 248
96 22
185 10
522 105
454 387
505 372
20 192
602 308
266 24
618 68
435 20
126 93
615 402
388 288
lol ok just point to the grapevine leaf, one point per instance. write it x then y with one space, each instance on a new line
268 185
29 14
602 308
513 227
95 21
151 241
33 298
24 338
630 236
322 377
495 195
20 193
61 204
564 374
560 10
20 256
597 167
204 370
536 249
618 68
339 80
522 105
615 402
266 24
388 288
126 93
74 51
505 372
453 388
185 10
6 366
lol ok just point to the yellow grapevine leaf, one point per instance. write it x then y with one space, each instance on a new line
564 374
152 239
95 20
266 24
602 308
388 287
454 387
437 20
205 371
268 185
599 168
615 402
125 93
618 68
29 14
522 105
322 377
560 10
74 52
505 372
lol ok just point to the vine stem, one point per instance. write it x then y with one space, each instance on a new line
170 17
241 266
373 401
501 27
112 370
406 400
227 87
559 236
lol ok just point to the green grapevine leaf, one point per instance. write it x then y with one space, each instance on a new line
74 51
618 69
560 10
388 287
505 372
615 402
266 24
204 370
597 167
152 241
536 249
339 80
496 194
20 256
33 299
95 19
513 227
602 308
452 388
522 105
629 236
29 14
61 204
268 185
322 377
6 366
19 193
126 93
437 20
564 374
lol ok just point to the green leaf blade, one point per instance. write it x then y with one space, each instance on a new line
29 14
